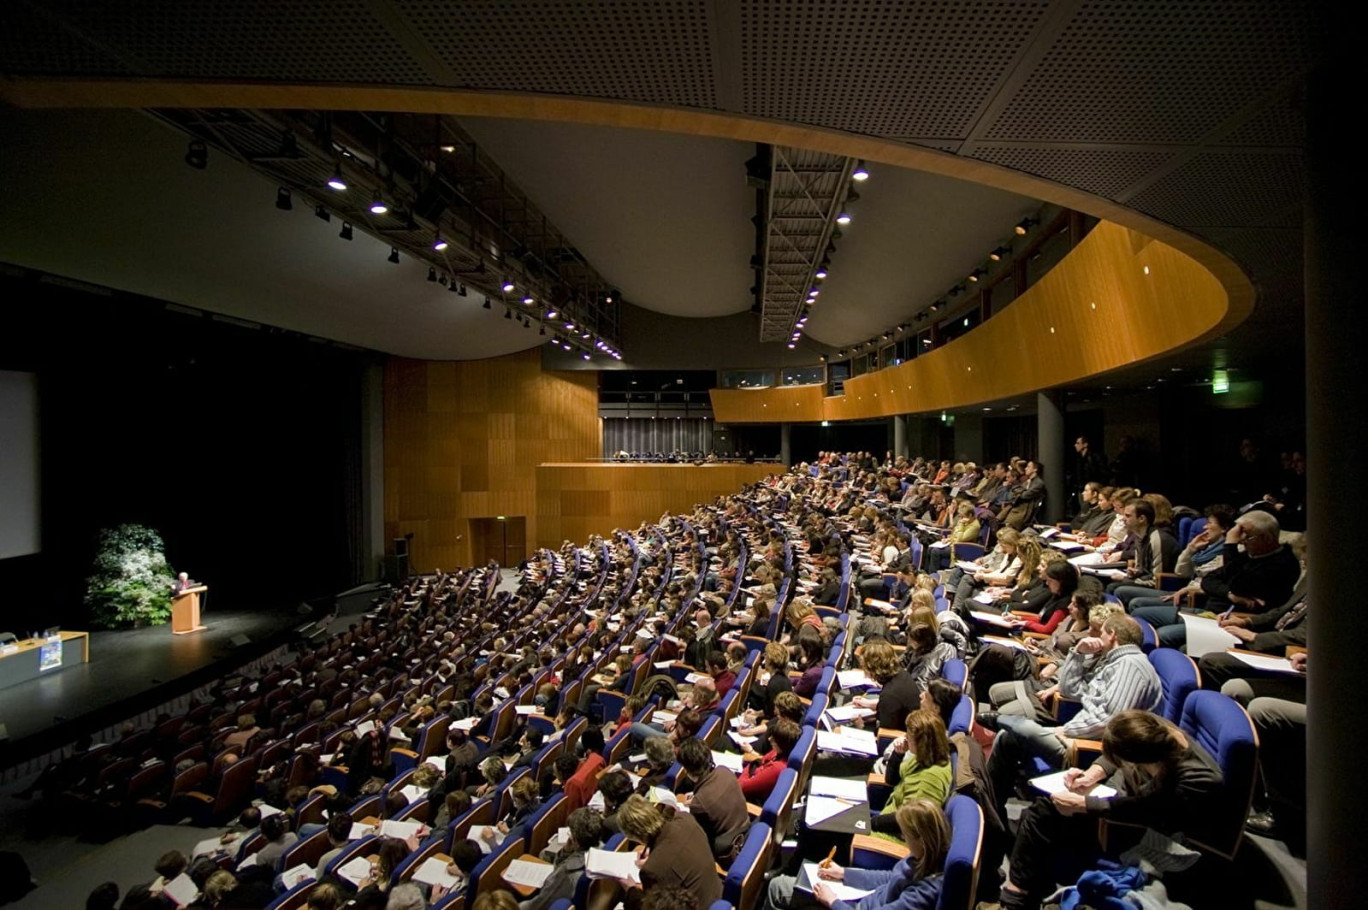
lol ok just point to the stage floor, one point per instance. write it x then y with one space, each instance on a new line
129 671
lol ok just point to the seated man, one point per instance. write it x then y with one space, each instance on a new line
1108 674
1261 574
722 675
717 803
1156 551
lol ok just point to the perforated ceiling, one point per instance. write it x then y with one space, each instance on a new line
1099 82
1220 189
884 67
1106 172
652 50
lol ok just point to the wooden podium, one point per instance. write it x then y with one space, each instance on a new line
185 611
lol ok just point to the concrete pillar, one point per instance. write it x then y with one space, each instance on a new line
785 449
1050 449
899 435
1336 325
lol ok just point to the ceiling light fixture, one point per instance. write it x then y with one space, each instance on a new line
460 289
508 314
997 254
507 286
585 355
283 201
791 345
843 219
551 314
487 304
820 274
1025 225
346 232
394 255
197 155
432 273
377 205
336 181
451 287
440 243
976 274
528 300
861 173
320 212
543 331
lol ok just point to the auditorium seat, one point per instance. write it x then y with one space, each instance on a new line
744 884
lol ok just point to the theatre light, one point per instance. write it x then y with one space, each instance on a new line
508 314
976 274
861 173
460 288
551 314
791 345
487 304
432 273
528 300
378 206
450 287
507 286
346 232
394 255
336 181
1025 225
843 219
283 201
997 254
440 243
819 274
320 212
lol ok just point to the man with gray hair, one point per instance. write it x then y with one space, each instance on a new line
1257 573
407 896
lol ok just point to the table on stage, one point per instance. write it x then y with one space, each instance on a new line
25 662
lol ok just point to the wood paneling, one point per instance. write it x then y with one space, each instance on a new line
1118 298
463 441
577 500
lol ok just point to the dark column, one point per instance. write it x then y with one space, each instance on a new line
899 435
1050 446
1336 413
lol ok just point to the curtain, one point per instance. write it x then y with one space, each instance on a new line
640 435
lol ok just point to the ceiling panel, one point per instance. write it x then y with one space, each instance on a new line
1105 172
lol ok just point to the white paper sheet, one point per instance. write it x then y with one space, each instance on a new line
992 619
355 871
181 889
527 873
1205 636
839 787
821 808
854 679
1054 783
401 830
1005 642
300 873
609 864
1266 662
477 834
434 872
848 740
847 713
808 878
729 760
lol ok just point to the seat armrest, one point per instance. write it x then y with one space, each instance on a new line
878 845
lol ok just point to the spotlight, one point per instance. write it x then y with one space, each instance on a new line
460 289
346 232
320 212
487 304
394 255
451 287
432 273
1025 225
814 292
197 155
843 219
585 355
508 314
791 345
958 289
377 205
283 201
543 331
821 358
551 314
440 243
997 254
861 173
336 181
528 301
887 335
507 286
976 274
608 298
935 306
820 274
841 352
443 282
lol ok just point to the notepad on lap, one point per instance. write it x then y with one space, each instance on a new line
609 864
808 877
434 872
527 873
1054 783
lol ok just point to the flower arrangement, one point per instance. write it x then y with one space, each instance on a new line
131 582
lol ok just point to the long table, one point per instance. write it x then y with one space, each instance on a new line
22 665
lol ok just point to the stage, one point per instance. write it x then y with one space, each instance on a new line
131 671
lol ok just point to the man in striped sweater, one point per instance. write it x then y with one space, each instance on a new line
1107 674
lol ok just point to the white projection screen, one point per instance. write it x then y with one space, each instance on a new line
19 518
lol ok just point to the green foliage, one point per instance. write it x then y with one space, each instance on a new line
131 581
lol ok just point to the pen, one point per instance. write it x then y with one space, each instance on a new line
827 862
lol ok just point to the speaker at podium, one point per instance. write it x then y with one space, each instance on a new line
185 610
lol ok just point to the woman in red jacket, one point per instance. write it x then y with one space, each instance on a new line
759 777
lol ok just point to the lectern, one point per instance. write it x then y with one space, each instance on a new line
185 610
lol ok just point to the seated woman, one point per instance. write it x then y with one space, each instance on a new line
811 660
773 678
1061 581
1165 781
1000 567
675 853
926 653
965 530
526 801
920 769
759 777
913 884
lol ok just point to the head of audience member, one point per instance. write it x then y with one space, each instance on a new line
1118 630
325 896
926 738
586 827
339 828
173 862
788 704
1080 606
592 740
104 897
811 650
1089 494
616 786
776 657
640 820
717 663
1143 740
498 899
1163 509
941 697
660 752
696 759
783 735
921 638
927 835
736 655
1257 531
702 619
1104 498
1139 516
408 896
493 771
465 856
797 611
1028 551
880 661
1061 577
704 695
218 885
274 828
249 818
1007 541
564 768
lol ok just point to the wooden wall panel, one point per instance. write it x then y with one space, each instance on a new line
463 440
1119 297
577 500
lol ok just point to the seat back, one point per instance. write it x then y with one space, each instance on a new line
420 810
966 552
802 756
955 672
777 812
745 882
311 810
549 817
433 738
308 850
294 899
960 881
1179 677
1149 639
815 710
366 846
488 875
1220 726
482 813
429 848
962 718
